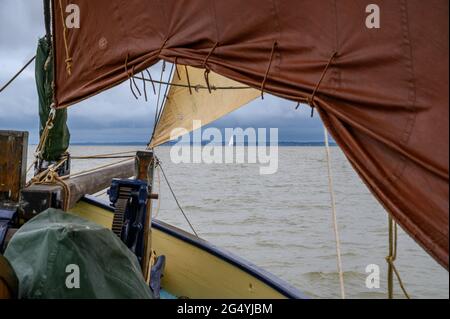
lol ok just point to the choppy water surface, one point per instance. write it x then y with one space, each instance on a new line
282 222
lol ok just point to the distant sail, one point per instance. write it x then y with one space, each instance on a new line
183 110
382 93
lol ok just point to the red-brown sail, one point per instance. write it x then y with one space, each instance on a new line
383 96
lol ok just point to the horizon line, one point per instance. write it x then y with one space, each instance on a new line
171 143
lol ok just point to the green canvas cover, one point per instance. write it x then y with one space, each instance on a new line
44 251
59 136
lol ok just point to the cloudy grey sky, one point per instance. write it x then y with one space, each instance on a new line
115 115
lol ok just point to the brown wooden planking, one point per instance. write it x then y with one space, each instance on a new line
13 162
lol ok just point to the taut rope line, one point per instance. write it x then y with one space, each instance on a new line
272 53
97 168
17 74
51 177
333 210
176 200
199 86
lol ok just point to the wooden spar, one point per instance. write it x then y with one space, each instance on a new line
39 197
13 162
96 181
145 165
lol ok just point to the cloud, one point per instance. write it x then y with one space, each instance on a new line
114 115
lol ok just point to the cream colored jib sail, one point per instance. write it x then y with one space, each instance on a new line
183 109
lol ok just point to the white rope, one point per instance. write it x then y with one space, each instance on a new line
176 200
155 215
333 208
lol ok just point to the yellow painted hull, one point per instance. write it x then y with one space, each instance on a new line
196 269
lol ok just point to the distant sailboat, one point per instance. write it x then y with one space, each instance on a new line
231 142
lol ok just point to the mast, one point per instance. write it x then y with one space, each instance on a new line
47 19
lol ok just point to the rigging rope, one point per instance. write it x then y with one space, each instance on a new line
199 86
43 138
144 86
263 84
311 100
17 74
46 131
50 177
106 156
333 209
159 192
110 154
97 168
159 108
100 157
390 259
163 69
68 59
188 80
164 96
175 198
206 67
151 80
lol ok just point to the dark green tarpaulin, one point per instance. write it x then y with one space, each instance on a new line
45 249
59 136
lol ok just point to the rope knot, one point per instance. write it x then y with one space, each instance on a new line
390 259
51 176
206 76
69 65
66 44
310 99
263 84
162 46
206 67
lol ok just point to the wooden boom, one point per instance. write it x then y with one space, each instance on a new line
37 198
96 181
